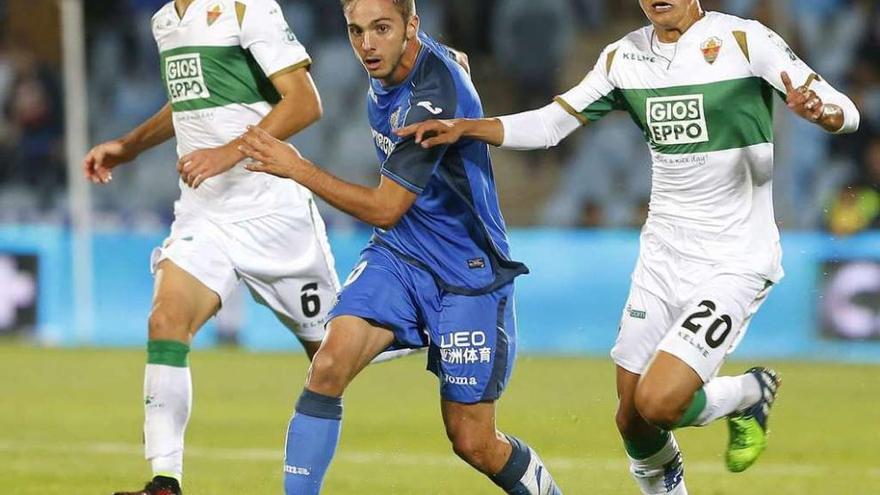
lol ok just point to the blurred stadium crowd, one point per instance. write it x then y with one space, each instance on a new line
522 53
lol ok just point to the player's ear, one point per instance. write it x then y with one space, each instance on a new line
412 27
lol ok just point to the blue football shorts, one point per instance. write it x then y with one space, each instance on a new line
471 339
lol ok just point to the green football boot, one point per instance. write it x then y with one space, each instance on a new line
748 429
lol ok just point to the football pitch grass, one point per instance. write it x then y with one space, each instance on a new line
70 423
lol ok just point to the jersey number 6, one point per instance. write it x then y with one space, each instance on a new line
715 335
311 303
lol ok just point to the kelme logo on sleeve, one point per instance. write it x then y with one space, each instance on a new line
677 120
183 74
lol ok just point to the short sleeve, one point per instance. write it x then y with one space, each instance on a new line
595 96
435 97
268 37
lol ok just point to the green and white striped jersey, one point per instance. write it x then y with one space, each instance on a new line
705 106
217 62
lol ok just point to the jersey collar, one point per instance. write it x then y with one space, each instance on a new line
187 14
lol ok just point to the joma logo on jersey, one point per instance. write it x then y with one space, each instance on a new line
677 120
183 74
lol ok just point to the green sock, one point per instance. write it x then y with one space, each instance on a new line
698 403
167 352
643 448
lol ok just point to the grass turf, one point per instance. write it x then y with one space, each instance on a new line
70 423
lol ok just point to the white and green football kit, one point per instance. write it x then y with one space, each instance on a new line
217 63
218 60
709 251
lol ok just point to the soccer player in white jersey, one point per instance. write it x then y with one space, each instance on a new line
700 85
226 64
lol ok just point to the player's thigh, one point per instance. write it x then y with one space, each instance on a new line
376 311
193 275
181 304
645 321
630 423
285 261
711 324
473 345
349 346
390 293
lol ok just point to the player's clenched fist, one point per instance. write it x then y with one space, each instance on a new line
803 100
100 161
272 156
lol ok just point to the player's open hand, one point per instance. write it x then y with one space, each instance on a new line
803 100
197 167
102 159
431 133
272 156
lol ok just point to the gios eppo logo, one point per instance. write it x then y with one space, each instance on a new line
185 79
677 120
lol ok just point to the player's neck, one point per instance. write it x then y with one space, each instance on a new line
407 62
671 34
181 6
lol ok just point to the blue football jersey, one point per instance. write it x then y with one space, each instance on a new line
454 230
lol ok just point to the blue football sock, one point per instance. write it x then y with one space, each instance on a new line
524 473
311 442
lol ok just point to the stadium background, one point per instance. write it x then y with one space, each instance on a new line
76 280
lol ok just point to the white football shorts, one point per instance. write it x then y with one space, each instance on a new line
283 258
694 310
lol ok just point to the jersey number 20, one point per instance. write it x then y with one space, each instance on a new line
718 330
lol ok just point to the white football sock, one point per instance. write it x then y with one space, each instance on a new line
168 401
728 394
662 473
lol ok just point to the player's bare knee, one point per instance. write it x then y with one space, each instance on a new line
470 448
328 375
164 324
658 407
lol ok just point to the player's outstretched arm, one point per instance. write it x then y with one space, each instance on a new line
537 129
103 158
300 106
813 99
543 128
381 206
432 133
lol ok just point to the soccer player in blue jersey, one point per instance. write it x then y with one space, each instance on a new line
437 272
